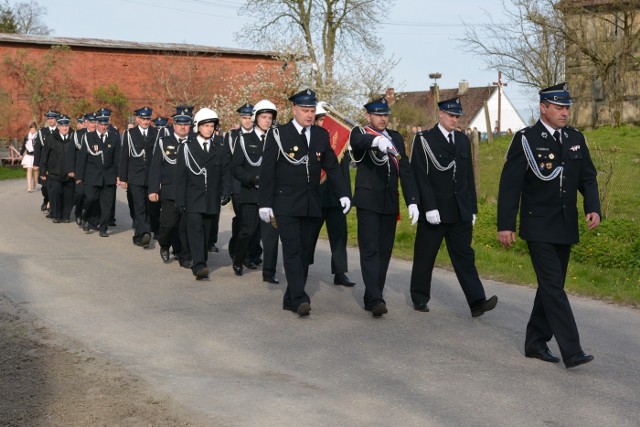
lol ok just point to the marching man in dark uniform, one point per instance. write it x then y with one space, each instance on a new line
137 149
89 126
289 192
44 134
332 215
441 163
97 168
546 165
58 169
162 187
245 167
203 182
382 161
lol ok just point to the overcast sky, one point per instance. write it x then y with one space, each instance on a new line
421 33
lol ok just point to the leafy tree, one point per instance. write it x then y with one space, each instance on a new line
113 98
7 19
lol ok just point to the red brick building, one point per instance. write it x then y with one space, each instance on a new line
74 76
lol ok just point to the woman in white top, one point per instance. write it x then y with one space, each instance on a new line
27 157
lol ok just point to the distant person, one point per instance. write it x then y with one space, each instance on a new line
546 165
27 152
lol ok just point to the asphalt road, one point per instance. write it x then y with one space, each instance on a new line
225 349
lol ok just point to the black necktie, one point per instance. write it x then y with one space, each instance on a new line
262 137
450 139
204 147
304 137
556 136
144 133
181 140
102 137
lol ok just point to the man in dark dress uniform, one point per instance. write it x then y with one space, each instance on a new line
245 168
44 134
162 188
441 163
289 193
97 169
161 124
382 161
137 149
89 126
202 180
58 166
332 215
546 165
230 142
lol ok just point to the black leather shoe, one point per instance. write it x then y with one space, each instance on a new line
145 239
249 264
104 233
577 360
49 215
185 263
237 268
543 354
165 255
43 206
79 221
202 274
303 309
488 305
421 306
271 279
257 261
112 223
342 280
213 248
66 220
85 227
56 220
286 307
379 309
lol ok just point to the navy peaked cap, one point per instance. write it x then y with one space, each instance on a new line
556 94
451 106
305 98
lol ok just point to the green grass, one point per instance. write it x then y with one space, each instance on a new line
12 172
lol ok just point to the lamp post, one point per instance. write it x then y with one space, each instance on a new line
436 94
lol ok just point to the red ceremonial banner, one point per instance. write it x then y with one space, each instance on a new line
338 137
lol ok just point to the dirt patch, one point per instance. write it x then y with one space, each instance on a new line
49 379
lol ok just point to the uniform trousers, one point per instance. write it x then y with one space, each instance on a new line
79 199
269 237
153 213
249 221
235 225
140 200
61 197
376 233
297 235
198 232
551 314
427 243
337 231
105 195
171 219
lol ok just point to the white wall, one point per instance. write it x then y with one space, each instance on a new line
509 117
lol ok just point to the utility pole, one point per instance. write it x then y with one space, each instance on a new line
436 94
499 83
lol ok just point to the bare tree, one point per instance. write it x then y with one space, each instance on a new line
319 32
29 18
528 48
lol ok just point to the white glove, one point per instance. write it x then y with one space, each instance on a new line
473 220
265 214
414 213
383 144
346 204
433 217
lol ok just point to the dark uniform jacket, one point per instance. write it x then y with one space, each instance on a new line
98 161
230 142
548 209
59 157
162 173
135 170
192 191
294 190
453 196
248 147
377 185
44 134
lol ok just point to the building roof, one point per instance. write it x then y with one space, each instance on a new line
126 45
472 100
597 4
